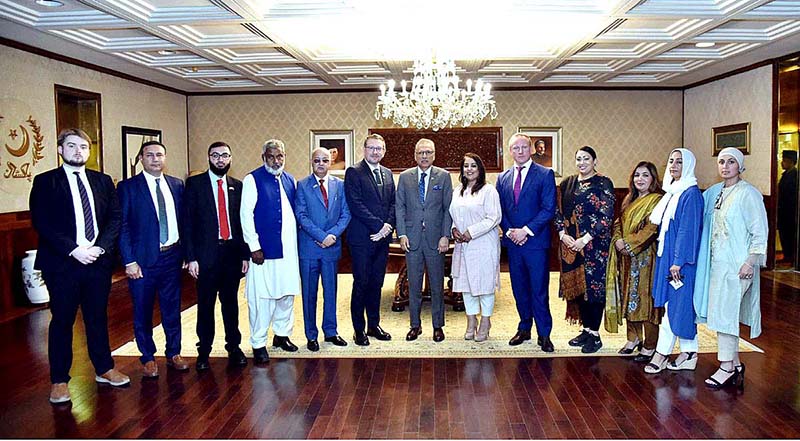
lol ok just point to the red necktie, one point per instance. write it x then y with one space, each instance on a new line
224 229
324 192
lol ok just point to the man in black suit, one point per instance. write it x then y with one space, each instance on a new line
77 216
787 205
216 251
369 190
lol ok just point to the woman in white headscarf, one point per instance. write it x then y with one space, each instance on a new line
679 215
733 248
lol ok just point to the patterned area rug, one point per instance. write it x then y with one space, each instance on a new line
504 325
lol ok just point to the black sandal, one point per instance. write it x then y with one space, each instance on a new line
712 383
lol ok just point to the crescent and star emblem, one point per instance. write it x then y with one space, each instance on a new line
23 148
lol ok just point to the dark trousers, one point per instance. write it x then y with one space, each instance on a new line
591 314
87 287
369 268
220 278
530 282
164 278
416 263
788 235
310 272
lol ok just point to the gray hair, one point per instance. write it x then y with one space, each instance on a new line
424 141
320 149
273 144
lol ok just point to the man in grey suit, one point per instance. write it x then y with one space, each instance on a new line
422 207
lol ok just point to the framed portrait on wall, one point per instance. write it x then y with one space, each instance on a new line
734 135
132 140
546 148
340 145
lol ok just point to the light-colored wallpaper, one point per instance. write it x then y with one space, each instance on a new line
27 89
746 97
624 126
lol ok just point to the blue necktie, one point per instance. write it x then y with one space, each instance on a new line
88 219
163 226
422 188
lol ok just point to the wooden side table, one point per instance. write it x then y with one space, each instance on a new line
401 286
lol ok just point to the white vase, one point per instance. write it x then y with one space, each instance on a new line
32 279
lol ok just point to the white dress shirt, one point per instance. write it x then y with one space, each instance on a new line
214 190
172 218
427 179
524 172
77 205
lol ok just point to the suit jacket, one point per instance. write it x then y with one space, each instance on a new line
370 206
434 213
315 222
200 233
138 238
536 208
53 217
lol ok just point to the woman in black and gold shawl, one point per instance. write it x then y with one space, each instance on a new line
584 221
632 256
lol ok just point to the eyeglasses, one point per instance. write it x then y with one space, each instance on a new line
321 161
220 155
425 152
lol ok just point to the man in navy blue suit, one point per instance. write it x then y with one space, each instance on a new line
369 189
528 197
149 242
322 215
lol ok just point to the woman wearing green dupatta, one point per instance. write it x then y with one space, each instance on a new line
629 276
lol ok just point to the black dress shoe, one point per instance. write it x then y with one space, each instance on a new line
202 363
236 358
260 356
643 358
519 337
283 343
546 344
580 340
313 346
413 333
378 333
336 340
361 339
592 345
438 334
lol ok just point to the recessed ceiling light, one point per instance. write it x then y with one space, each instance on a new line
704 44
50 3
166 52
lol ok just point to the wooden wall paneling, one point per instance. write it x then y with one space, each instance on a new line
16 236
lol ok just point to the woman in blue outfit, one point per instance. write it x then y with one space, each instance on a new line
679 215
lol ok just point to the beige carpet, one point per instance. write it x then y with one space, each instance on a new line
504 325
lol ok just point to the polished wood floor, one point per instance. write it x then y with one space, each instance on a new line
597 397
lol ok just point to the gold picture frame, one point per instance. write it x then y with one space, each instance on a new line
733 135
339 143
551 138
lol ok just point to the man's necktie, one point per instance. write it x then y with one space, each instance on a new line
324 192
518 184
377 174
222 210
163 226
88 219
422 187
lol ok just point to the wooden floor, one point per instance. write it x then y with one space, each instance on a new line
329 398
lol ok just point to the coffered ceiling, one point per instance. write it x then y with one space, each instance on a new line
285 45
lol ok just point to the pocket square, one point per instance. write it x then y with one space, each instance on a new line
231 189
437 187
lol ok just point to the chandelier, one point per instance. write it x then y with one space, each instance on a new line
435 99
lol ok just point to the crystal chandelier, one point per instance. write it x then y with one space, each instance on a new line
435 100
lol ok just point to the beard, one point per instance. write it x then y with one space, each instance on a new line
275 171
219 171
74 163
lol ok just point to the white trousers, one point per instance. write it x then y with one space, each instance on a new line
483 304
727 346
263 312
666 339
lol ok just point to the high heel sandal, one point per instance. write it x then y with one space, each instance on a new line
483 332
689 364
740 371
472 324
629 351
712 382
653 368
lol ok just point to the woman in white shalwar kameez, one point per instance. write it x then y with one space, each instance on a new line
476 213
733 248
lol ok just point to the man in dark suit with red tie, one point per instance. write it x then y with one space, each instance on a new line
76 214
149 243
215 250
369 189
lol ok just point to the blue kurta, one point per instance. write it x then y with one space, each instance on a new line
681 246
